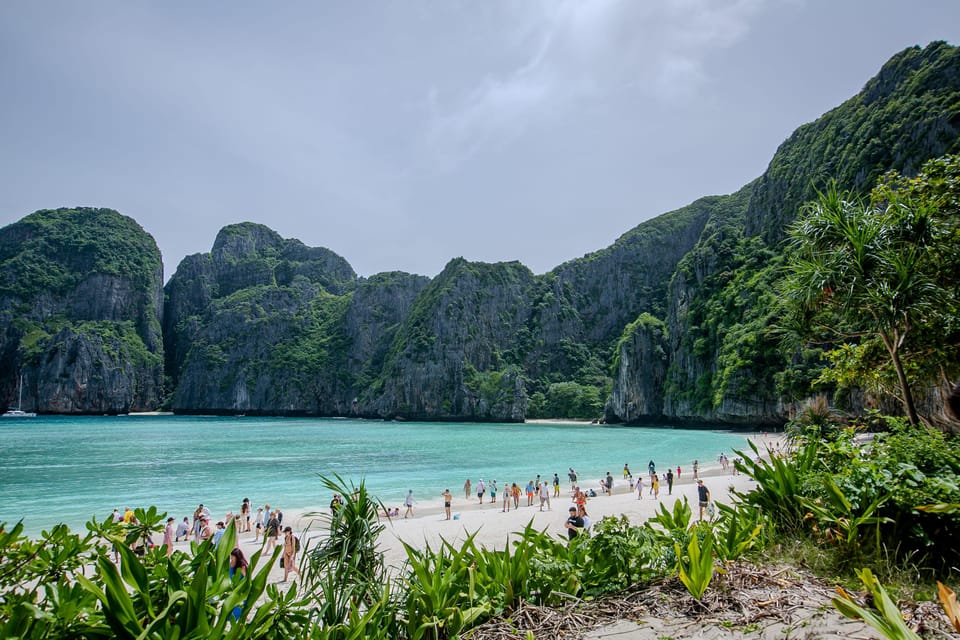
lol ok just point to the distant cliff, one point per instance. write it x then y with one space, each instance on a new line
80 313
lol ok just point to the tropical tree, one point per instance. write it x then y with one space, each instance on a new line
870 272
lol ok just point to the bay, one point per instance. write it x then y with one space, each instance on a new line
68 469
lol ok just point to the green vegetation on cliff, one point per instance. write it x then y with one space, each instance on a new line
51 251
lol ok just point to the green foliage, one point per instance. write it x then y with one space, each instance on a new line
902 117
695 564
779 480
567 400
884 616
51 251
349 556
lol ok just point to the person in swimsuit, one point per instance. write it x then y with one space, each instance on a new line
447 499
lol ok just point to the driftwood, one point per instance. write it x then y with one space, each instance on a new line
744 597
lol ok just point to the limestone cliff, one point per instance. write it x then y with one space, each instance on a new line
80 310
446 360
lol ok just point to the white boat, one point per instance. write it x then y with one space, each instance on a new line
18 412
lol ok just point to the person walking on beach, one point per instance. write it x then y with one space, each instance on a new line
271 533
515 490
703 495
696 470
609 484
507 497
168 535
670 482
640 487
655 485
466 489
481 489
530 493
556 486
447 499
409 504
493 492
545 496
289 559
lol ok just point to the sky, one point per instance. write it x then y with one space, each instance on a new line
402 134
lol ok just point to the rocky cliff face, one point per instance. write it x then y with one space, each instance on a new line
904 116
80 309
722 358
445 362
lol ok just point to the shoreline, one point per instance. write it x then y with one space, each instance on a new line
493 528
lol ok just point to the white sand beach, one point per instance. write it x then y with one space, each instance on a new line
493 527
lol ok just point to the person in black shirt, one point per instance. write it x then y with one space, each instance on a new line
573 524
703 494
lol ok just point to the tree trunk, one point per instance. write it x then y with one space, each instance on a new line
906 395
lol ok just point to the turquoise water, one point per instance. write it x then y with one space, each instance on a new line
67 469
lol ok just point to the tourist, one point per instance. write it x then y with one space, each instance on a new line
678 472
529 493
183 530
652 468
608 485
408 502
289 559
626 470
258 525
507 496
556 486
696 470
466 489
703 495
168 535
515 490
640 487
238 563
335 504
238 566
670 482
218 534
271 532
655 486
574 523
244 516
572 475
447 499
481 489
587 524
545 496
493 492
205 531
127 515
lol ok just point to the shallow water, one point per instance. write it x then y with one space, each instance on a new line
67 469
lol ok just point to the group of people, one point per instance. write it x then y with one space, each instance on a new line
266 524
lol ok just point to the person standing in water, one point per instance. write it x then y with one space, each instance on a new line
466 489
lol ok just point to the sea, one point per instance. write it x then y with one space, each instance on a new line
57 469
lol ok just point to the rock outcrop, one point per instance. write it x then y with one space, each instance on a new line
80 313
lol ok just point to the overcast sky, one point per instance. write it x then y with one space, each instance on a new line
403 133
